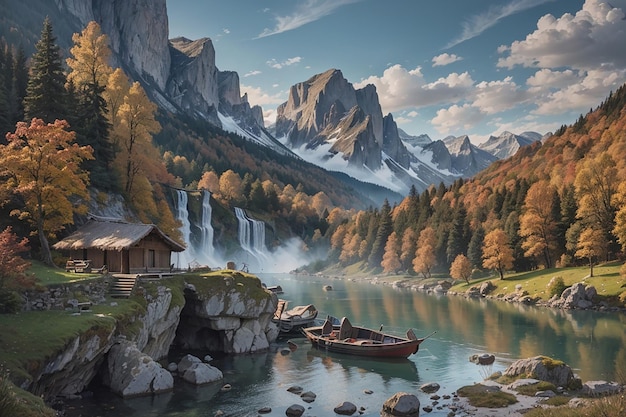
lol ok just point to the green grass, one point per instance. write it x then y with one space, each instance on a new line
47 275
480 395
30 339
606 280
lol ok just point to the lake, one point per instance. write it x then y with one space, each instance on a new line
592 343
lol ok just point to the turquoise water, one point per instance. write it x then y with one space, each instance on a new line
592 343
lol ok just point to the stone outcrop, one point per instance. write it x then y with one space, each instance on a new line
130 372
578 296
227 319
544 369
233 316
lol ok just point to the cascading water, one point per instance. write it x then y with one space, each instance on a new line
244 229
252 237
207 230
182 260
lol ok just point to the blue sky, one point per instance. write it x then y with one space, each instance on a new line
445 67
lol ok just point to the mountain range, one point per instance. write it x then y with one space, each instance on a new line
325 121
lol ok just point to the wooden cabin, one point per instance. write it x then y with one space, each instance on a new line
128 248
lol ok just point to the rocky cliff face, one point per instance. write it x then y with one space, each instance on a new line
180 75
233 316
467 159
327 109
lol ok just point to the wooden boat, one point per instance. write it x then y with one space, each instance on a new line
293 320
354 340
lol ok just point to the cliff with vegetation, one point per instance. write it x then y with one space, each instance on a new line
118 342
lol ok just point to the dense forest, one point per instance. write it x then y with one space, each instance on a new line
553 204
80 129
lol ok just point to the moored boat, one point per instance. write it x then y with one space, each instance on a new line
355 340
294 319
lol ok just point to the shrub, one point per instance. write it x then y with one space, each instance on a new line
10 303
556 286
8 400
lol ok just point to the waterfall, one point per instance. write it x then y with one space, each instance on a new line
182 214
244 229
207 230
252 237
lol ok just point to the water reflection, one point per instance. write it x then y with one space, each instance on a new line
592 343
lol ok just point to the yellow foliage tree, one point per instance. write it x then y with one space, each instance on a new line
230 186
117 89
537 224
596 188
591 245
408 248
497 252
42 165
136 126
425 258
461 268
209 181
391 256
90 64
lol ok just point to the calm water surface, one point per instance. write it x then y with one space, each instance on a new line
593 344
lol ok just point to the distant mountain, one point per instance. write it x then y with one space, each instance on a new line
507 144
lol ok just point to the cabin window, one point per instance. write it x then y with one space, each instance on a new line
151 258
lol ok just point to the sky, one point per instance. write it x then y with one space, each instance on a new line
441 68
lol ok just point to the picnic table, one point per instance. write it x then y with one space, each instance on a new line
78 265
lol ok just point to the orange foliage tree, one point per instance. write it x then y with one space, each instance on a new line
391 257
42 165
461 268
497 252
425 258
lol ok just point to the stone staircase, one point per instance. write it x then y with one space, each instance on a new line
122 286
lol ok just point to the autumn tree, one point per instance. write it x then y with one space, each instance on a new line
591 245
12 269
90 71
425 258
136 125
209 181
230 186
45 93
497 252
391 258
596 187
461 268
538 226
41 164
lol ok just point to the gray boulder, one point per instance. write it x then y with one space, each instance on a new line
130 372
544 369
202 373
401 404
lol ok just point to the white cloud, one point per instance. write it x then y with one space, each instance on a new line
398 88
269 102
591 87
477 24
252 73
545 80
307 12
457 117
278 65
592 37
497 96
445 59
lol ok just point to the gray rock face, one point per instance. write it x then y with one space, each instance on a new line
327 107
130 372
392 144
193 81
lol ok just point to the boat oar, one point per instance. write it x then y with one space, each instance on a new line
424 338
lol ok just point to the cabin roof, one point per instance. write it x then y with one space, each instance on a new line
113 235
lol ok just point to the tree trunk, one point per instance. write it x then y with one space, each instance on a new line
46 256
590 266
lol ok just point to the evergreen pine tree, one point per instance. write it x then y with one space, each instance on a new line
385 227
20 83
45 93
475 248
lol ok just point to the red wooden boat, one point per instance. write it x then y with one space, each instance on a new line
354 340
